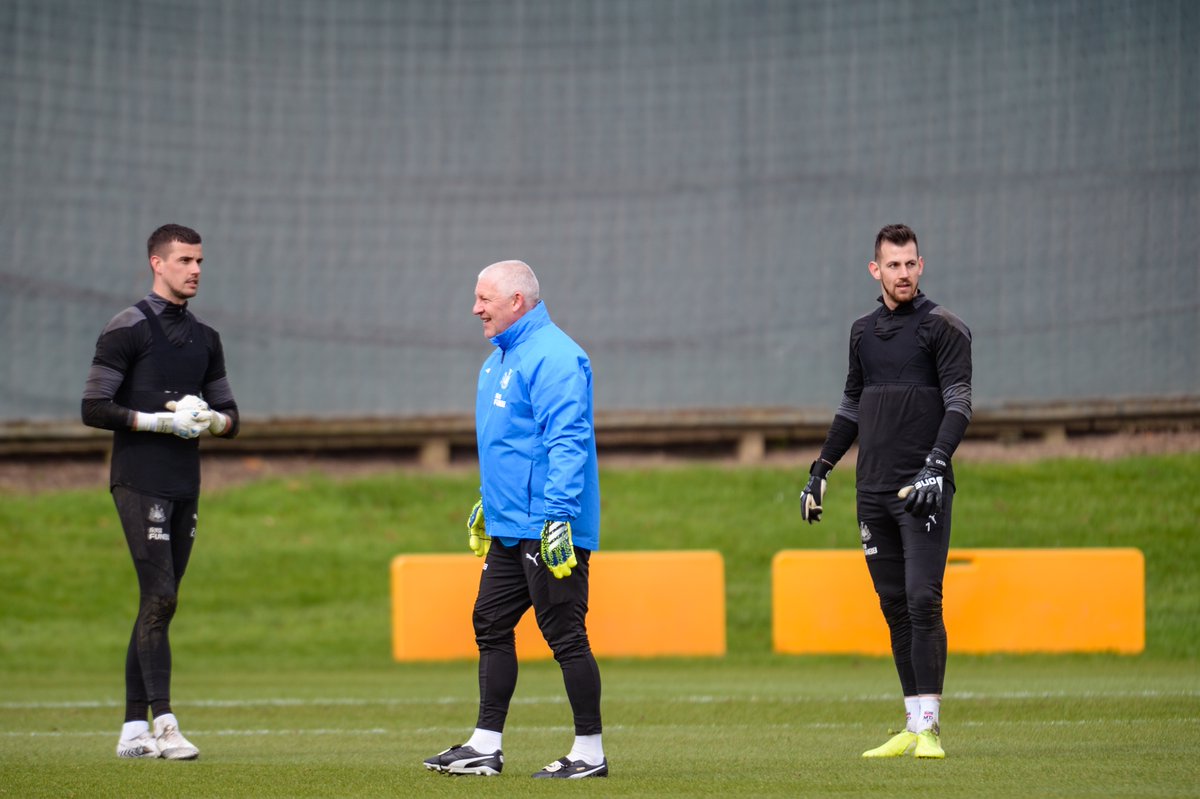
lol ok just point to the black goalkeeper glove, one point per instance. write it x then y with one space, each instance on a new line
925 492
814 492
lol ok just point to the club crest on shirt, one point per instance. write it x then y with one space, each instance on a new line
504 380
864 532
157 514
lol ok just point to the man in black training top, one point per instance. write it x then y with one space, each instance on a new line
158 381
908 402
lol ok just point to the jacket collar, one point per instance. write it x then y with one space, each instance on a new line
161 306
905 308
523 328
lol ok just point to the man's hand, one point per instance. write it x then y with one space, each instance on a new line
925 493
217 420
477 538
189 403
218 424
814 492
192 416
185 418
557 551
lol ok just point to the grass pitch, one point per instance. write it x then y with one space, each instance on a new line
1074 726
283 674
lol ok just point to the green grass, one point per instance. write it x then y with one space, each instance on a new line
284 677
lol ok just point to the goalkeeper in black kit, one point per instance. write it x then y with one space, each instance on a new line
908 402
158 381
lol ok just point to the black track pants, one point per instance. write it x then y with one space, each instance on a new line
514 579
160 533
907 559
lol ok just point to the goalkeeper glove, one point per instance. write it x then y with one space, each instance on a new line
925 493
814 492
218 424
557 551
217 420
189 403
185 418
477 538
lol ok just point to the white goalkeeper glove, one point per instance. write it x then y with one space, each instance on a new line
218 424
477 538
186 418
558 553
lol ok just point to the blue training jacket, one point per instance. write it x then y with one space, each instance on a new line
537 441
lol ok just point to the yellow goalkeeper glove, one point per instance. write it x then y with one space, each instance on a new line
477 538
558 553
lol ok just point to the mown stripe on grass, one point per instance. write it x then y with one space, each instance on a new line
850 725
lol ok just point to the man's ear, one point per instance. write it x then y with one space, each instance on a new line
873 268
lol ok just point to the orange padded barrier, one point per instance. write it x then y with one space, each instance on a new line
640 604
993 600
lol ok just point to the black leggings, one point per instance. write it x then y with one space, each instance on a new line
907 559
160 533
513 580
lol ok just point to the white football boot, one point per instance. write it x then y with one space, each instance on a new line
140 745
171 743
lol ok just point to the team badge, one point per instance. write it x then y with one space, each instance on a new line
504 380
864 532
157 514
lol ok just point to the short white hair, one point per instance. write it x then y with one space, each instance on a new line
514 277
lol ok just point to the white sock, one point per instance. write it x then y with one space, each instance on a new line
485 742
930 705
132 729
161 722
588 749
912 712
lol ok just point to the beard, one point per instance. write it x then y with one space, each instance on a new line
909 292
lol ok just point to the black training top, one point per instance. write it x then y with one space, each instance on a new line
908 390
148 354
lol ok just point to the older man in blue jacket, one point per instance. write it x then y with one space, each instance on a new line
537 520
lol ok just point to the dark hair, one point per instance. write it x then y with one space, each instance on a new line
169 233
896 234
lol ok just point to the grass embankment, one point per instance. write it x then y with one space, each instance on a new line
284 676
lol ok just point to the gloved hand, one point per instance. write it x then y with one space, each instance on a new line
189 403
814 491
925 492
558 553
217 420
218 424
477 538
185 418
192 416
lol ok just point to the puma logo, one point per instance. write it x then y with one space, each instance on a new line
531 557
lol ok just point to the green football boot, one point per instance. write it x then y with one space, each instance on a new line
896 746
929 743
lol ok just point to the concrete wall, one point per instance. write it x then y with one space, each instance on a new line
697 184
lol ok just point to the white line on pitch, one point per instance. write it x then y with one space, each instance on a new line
82 733
693 699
